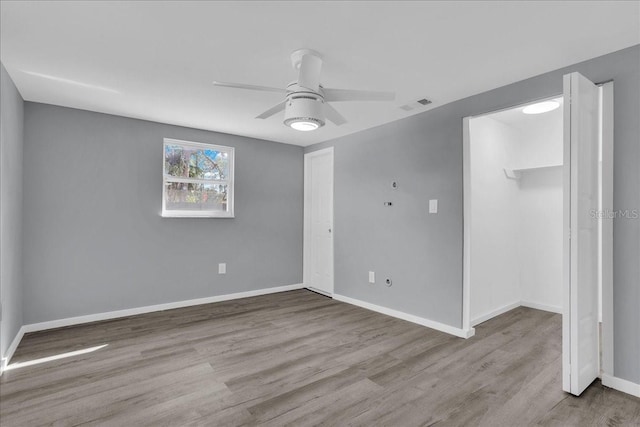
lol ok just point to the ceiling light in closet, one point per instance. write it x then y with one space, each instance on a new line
541 107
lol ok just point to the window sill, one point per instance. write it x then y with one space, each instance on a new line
178 214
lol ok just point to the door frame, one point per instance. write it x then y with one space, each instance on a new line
606 364
307 219
606 273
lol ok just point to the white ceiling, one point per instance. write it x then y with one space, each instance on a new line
156 60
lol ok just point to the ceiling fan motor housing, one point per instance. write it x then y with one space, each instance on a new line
304 106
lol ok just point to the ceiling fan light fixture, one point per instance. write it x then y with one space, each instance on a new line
304 112
307 103
304 124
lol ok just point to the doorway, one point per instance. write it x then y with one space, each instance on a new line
534 188
318 221
516 210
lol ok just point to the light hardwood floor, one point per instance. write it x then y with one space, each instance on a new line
298 358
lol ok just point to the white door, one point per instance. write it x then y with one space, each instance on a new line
580 319
318 220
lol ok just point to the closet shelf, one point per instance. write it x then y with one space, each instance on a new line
517 173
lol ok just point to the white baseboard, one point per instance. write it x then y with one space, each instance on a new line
12 349
508 307
151 308
494 313
458 332
52 324
621 385
543 307
607 380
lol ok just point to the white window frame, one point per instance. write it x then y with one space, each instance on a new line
229 213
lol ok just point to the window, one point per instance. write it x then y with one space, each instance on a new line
197 180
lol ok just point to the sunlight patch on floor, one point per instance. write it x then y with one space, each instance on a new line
52 358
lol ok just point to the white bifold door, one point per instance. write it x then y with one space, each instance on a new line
580 319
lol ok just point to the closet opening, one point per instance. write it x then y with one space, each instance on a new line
516 158
538 182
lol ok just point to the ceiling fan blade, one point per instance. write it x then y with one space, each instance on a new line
249 87
271 111
333 95
332 115
309 74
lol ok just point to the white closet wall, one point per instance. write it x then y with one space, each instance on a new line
540 211
516 225
539 139
495 276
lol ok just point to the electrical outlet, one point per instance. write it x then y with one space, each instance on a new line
433 206
372 277
222 268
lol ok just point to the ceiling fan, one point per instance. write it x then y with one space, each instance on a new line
305 103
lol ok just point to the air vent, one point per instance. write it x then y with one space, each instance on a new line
412 105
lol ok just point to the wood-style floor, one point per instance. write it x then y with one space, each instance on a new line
298 358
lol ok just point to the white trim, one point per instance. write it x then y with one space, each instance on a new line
6 358
196 214
494 313
606 272
307 218
462 333
204 145
509 307
543 307
621 385
466 224
573 97
151 308
70 321
566 242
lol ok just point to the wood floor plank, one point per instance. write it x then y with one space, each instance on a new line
298 358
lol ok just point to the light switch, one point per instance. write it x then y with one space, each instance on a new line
433 206
372 277
222 268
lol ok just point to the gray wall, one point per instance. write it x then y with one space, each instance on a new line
11 144
94 240
423 253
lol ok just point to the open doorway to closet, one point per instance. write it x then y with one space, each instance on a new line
538 182
516 209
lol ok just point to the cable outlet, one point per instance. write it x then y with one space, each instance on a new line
388 282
